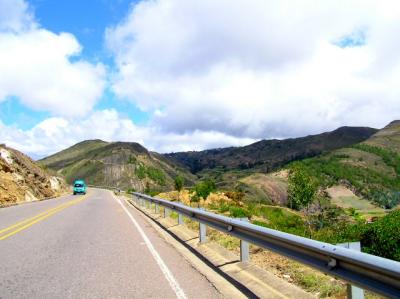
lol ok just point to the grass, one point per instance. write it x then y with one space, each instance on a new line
361 206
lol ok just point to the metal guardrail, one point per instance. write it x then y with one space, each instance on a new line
367 271
116 189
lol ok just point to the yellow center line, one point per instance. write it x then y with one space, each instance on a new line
31 221
32 218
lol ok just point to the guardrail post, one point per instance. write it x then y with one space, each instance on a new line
244 248
202 231
166 212
180 218
353 292
156 208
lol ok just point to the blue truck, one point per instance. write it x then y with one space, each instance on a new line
79 187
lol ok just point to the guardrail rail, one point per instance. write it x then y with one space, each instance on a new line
370 272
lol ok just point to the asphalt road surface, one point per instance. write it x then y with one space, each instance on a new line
90 246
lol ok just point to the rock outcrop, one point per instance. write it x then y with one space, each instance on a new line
22 179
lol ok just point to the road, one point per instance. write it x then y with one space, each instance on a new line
92 246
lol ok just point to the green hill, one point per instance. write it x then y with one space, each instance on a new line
370 168
118 164
268 155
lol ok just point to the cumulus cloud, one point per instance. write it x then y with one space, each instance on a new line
259 69
43 69
58 133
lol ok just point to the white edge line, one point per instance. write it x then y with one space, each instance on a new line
164 269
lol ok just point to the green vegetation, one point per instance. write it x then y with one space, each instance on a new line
132 159
178 183
370 183
383 237
141 171
204 188
327 223
391 159
301 189
157 175
130 190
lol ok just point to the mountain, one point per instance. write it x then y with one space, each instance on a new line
126 165
22 179
267 155
371 168
388 137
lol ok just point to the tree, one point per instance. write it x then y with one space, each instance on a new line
301 189
204 188
179 181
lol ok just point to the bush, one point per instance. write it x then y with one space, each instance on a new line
301 188
382 237
131 159
238 212
386 200
179 182
204 188
157 175
141 171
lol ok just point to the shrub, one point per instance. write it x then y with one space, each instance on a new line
141 171
238 212
382 237
157 175
301 188
386 200
178 182
204 188
131 159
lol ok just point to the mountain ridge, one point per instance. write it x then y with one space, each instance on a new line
268 155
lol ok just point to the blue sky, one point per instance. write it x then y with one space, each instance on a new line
86 20
179 75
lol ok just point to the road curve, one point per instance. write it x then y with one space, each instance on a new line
91 246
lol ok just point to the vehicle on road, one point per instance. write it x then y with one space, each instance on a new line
79 187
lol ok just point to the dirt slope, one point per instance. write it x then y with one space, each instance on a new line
21 179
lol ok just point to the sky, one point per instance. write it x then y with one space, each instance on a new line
179 75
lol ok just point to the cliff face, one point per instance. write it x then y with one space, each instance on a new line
22 179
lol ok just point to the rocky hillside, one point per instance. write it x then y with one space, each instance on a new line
21 179
267 155
126 165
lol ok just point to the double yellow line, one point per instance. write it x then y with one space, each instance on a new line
22 225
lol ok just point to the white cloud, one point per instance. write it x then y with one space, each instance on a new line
58 133
15 16
36 65
259 68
